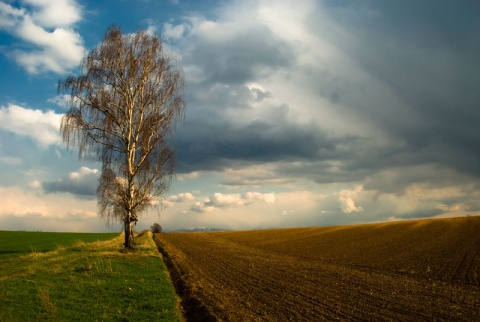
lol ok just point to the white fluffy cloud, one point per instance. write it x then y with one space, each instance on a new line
244 211
40 126
347 202
62 101
178 198
9 15
173 32
53 13
181 197
46 28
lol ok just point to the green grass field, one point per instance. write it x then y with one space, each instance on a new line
13 243
81 281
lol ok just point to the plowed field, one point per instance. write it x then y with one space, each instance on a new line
405 271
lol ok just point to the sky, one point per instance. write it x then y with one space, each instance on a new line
298 113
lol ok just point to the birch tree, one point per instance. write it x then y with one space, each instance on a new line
123 108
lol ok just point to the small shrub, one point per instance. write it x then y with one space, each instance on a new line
156 228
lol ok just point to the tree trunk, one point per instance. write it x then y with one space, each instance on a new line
129 242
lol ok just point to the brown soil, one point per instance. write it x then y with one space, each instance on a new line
404 271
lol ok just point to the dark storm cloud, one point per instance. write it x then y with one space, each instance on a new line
427 55
82 184
397 180
299 150
243 56
420 96
204 145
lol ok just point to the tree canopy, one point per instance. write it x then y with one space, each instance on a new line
156 228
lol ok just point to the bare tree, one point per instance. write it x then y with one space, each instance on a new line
123 107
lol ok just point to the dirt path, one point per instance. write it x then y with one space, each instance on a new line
284 275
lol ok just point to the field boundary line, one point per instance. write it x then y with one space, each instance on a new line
192 308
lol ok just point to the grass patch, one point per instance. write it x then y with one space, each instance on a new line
14 243
88 282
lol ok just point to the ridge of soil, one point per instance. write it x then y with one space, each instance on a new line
402 271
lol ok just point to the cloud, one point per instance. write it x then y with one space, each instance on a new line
428 96
11 160
173 32
255 176
42 127
220 200
264 99
298 208
53 13
82 183
201 148
347 202
243 50
62 101
35 184
241 57
311 103
252 197
9 15
246 211
188 176
178 198
346 97
47 50
27 209
181 197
